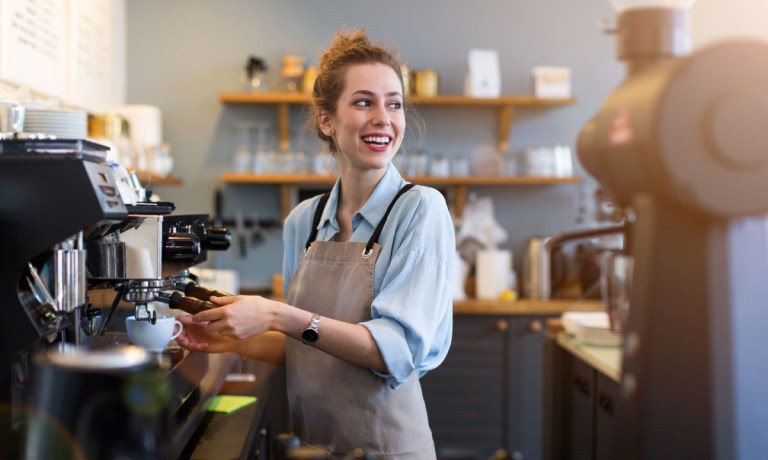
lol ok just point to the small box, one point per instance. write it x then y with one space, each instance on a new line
551 82
483 78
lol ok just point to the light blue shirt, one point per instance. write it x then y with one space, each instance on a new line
412 317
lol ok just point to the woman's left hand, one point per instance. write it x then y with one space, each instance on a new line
238 316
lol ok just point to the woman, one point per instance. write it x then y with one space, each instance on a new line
367 270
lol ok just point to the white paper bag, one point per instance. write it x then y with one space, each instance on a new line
483 74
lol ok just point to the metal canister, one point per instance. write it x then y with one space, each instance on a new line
537 271
425 83
405 72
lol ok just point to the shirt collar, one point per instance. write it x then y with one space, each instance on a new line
373 210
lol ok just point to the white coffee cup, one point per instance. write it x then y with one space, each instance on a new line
153 337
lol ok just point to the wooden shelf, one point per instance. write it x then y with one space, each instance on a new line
460 185
424 180
524 306
148 179
505 105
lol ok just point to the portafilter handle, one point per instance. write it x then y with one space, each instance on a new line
188 304
192 289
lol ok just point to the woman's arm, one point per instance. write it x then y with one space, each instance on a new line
241 317
269 347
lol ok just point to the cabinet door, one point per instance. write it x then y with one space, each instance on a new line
465 395
579 407
526 383
606 398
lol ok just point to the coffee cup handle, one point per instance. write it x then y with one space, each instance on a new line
177 333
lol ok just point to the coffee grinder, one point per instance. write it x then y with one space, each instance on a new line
681 146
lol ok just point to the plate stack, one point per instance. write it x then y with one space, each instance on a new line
591 328
62 123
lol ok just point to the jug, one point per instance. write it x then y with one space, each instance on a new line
537 282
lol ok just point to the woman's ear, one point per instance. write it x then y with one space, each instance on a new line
324 120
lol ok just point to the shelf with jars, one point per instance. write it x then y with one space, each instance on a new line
504 105
459 184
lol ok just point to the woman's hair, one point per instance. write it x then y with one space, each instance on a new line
350 47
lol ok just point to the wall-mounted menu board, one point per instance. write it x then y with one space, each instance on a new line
69 49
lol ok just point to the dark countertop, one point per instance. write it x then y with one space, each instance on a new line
238 434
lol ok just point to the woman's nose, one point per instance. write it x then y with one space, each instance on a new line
381 116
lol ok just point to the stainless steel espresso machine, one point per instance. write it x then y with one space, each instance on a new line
682 147
66 230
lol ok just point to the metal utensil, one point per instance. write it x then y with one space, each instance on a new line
12 118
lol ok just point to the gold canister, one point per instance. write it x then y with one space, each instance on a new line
425 83
308 81
108 126
407 83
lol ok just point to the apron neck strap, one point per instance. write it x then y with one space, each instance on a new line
375 237
316 220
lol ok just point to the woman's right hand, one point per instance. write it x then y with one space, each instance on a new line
196 337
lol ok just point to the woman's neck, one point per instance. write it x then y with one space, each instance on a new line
357 188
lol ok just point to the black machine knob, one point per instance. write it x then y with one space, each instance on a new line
181 246
282 444
216 238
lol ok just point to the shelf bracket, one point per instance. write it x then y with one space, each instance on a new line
286 199
284 123
459 200
506 116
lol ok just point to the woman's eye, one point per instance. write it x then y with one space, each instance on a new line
396 105
363 103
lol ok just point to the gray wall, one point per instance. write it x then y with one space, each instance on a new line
183 53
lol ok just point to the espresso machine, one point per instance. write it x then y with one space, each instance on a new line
70 224
681 146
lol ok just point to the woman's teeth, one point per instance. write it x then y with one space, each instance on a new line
382 140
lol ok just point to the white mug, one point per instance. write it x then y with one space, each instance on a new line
153 337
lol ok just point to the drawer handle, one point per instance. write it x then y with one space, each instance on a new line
535 326
605 402
501 325
582 385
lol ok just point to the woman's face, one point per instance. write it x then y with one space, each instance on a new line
369 122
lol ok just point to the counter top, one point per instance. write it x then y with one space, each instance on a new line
524 306
604 359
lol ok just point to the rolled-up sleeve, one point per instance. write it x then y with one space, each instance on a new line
412 311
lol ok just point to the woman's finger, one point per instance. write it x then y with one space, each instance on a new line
225 300
214 314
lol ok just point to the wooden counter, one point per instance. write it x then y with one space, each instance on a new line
524 306
604 359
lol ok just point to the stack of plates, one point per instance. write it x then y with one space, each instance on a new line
591 328
62 123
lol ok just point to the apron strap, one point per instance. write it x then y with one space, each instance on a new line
375 237
316 220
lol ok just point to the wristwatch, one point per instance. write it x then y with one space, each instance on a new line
310 334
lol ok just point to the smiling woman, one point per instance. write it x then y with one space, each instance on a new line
367 270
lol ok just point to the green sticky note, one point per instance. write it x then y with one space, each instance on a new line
228 403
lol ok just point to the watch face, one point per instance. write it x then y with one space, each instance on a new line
309 336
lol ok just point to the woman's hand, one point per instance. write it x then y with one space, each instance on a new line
196 337
239 317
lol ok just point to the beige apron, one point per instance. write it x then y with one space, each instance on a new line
332 403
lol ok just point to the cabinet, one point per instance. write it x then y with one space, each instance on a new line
487 394
504 106
580 407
